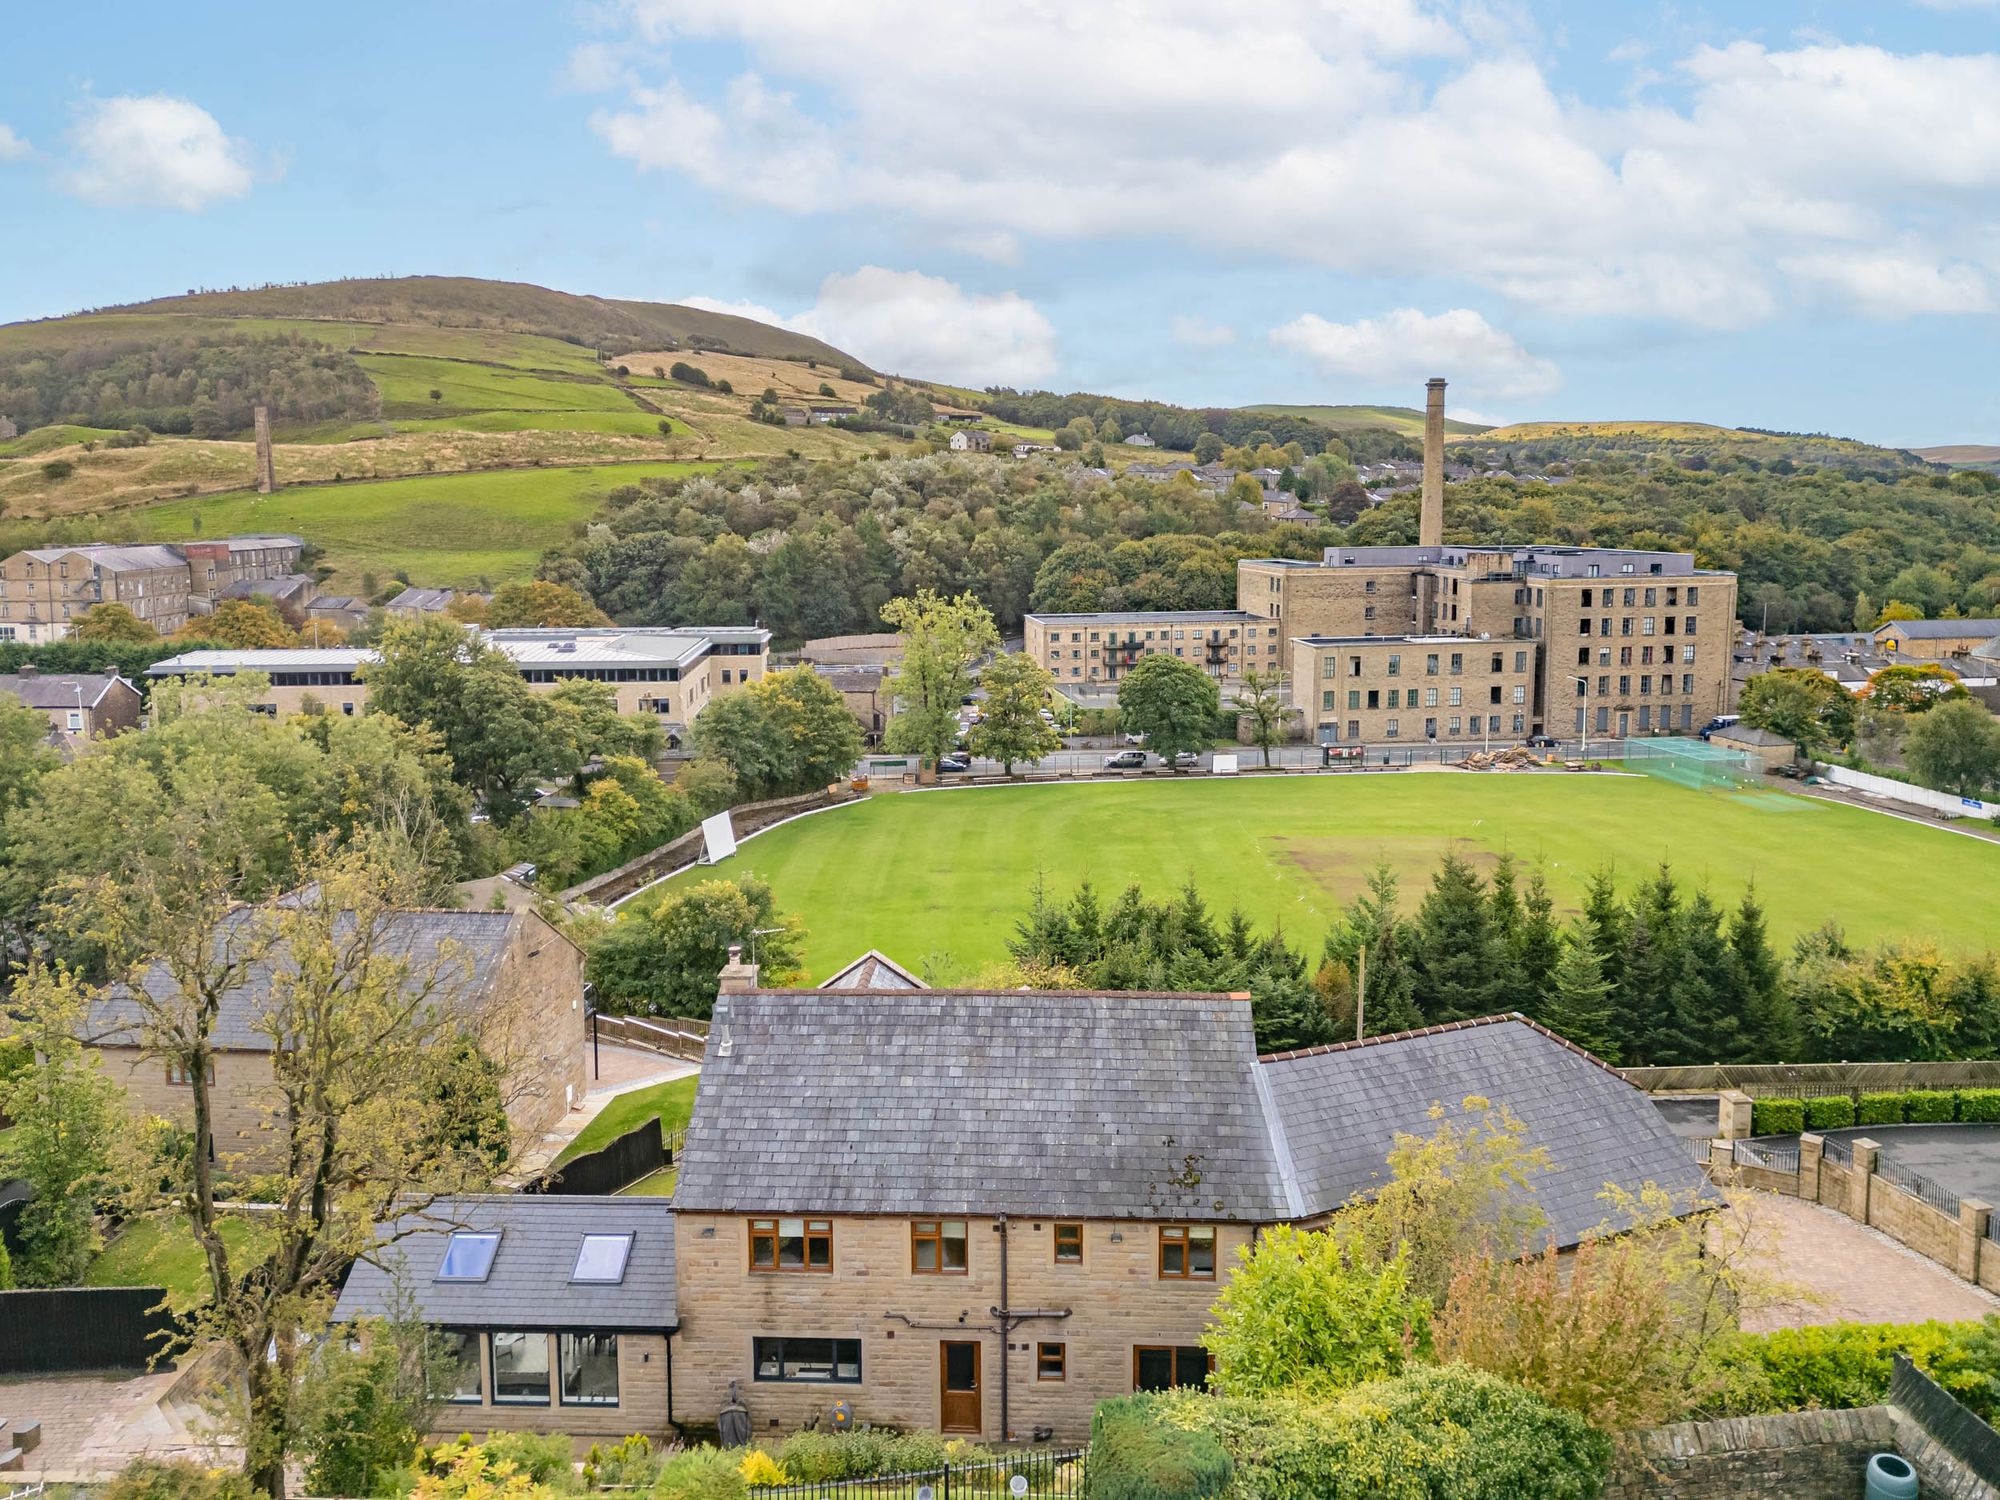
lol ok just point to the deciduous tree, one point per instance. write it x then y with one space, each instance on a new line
1262 699
943 639
1801 703
664 958
539 602
1956 748
1017 690
1171 702
110 621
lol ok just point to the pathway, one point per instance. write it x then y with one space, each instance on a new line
94 1425
1846 1272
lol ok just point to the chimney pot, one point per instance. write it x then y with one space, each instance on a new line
737 977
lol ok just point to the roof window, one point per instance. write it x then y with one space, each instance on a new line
468 1256
601 1258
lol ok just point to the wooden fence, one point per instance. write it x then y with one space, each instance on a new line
634 1156
675 1036
1814 1080
83 1328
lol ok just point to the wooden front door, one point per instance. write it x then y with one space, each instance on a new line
958 1387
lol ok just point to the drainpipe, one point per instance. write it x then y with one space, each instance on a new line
679 1431
1006 1319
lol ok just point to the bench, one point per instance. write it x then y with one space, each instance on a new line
27 1435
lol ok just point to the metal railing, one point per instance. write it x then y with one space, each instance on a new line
1698 1148
1052 1474
1838 1150
1770 1157
1918 1186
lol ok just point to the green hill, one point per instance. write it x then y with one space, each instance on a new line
1406 420
1691 442
1963 455
609 324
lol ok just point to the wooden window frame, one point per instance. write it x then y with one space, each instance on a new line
1042 1355
815 1231
932 1232
1182 1237
1174 1352
1072 1230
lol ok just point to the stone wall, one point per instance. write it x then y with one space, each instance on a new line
1813 1455
641 1408
615 885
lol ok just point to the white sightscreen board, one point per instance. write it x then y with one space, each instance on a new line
1223 765
718 836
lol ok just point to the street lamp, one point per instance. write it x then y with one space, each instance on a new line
77 688
1583 734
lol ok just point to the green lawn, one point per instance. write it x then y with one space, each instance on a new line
162 1252
673 1102
946 874
406 381
445 530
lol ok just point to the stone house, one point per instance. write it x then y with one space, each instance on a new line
985 1212
970 440
517 979
81 706
556 1312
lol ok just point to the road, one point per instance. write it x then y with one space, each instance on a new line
1249 757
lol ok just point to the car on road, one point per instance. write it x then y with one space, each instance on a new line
1541 742
1126 760
954 764
1135 739
1187 758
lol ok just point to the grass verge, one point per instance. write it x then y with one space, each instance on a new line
672 1101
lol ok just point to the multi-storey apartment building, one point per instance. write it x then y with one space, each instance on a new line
1103 647
43 589
673 674
1374 689
1619 642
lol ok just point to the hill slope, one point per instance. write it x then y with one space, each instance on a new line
1406 420
1962 455
609 324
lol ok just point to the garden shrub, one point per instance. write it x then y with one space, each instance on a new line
761 1471
1136 1455
1845 1365
1829 1112
1928 1106
1879 1109
1980 1106
544 1460
701 1474
176 1479
1778 1116
631 1464
822 1457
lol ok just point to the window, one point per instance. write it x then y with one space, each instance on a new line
1069 1244
520 1369
589 1366
75 718
1520 661
1161 1367
468 1257
1395 664
1431 664
458 1367
1051 1362
1457 698
1431 697
937 1247
601 1258
1694 594
1353 698
1187 1251
1326 702
179 1075
1457 663
791 1244
1392 730
1396 697
829 1361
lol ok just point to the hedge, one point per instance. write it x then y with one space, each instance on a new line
1879 1109
1441 1433
1979 1105
1929 1106
1844 1365
1778 1116
1135 1455
1831 1112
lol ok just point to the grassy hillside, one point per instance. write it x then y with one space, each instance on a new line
1963 455
1406 420
465 302
1692 441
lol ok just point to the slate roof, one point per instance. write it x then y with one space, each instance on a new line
1109 1106
1746 734
477 939
39 691
1340 1108
528 1286
426 601
874 971
1937 630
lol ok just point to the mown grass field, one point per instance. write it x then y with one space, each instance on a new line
163 1252
899 872
406 381
1408 420
445 530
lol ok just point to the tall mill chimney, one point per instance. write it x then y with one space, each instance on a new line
1430 522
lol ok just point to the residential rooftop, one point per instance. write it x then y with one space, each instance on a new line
1939 630
46 691
1146 617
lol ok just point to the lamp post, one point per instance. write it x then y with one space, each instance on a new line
77 688
1583 734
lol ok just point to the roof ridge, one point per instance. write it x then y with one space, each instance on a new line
1439 1030
999 994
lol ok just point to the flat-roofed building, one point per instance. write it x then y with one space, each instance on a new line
1103 647
1374 689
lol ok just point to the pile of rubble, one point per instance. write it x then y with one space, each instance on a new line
1516 758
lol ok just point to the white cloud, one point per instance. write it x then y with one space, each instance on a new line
1706 211
1407 345
155 152
12 146
1199 333
1889 284
908 323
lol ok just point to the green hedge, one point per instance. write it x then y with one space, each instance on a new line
1979 1105
1778 1116
1929 1106
1435 1433
1845 1365
1831 1112
702 1474
1135 1455
820 1457
1879 1109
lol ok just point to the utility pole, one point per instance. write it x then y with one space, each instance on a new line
1361 995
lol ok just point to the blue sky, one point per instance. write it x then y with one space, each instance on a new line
1785 215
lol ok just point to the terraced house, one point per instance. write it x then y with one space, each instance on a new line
44 589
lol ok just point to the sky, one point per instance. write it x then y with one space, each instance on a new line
1783 214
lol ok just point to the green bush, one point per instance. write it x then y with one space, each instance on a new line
1928 1106
1778 1116
1843 1365
1830 1112
1879 1109
1979 1105
176 1479
1135 1455
701 1474
630 1464
823 1457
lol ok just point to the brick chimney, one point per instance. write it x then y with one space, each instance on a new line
738 978
29 669
1430 522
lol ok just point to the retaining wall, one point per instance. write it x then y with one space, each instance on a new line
615 885
1951 805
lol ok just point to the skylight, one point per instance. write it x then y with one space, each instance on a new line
468 1256
601 1258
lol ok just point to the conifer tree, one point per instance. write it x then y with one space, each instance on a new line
1453 949
1770 1021
1579 1007
1504 924
1705 993
1539 946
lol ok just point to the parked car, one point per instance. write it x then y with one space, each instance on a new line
1126 760
1135 739
1541 742
1187 758
954 764
1720 721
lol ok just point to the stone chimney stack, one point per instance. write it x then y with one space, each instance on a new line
29 669
1430 522
738 978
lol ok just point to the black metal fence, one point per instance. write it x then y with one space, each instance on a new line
1956 1430
634 1155
1918 1186
1045 1474
83 1328
1770 1155
1838 1151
